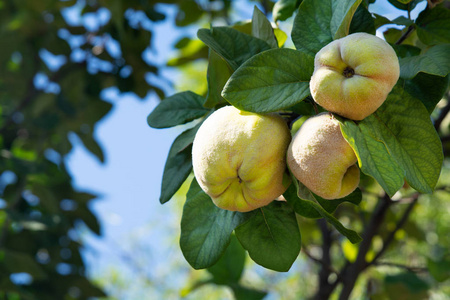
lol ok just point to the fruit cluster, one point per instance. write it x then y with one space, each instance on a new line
239 158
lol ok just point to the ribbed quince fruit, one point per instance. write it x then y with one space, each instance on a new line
353 75
239 158
321 159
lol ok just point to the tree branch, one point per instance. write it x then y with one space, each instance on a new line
351 271
401 266
399 225
405 35
325 288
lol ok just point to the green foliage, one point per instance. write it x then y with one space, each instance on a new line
262 29
433 26
178 164
249 68
304 204
435 62
270 81
232 45
320 22
271 236
177 109
396 143
205 228
412 147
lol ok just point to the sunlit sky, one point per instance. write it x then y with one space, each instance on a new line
129 181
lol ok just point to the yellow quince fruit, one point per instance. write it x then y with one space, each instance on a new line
354 75
321 159
239 158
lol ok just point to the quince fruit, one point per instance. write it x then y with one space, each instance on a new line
353 75
239 158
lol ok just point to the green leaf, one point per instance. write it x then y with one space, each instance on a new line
270 81
92 145
218 74
262 29
427 88
177 109
19 262
229 268
362 21
271 236
380 20
406 50
373 156
403 125
402 21
435 61
306 208
232 45
205 228
281 36
440 270
330 205
284 9
301 207
433 25
178 164
320 22
405 4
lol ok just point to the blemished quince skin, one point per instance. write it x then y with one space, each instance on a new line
239 158
354 75
321 159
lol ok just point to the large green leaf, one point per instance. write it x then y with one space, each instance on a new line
271 236
435 61
433 25
177 109
311 209
270 81
373 156
320 22
205 228
412 146
178 164
218 74
427 88
232 45
262 29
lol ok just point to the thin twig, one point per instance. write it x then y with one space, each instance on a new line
405 35
351 271
318 260
401 266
